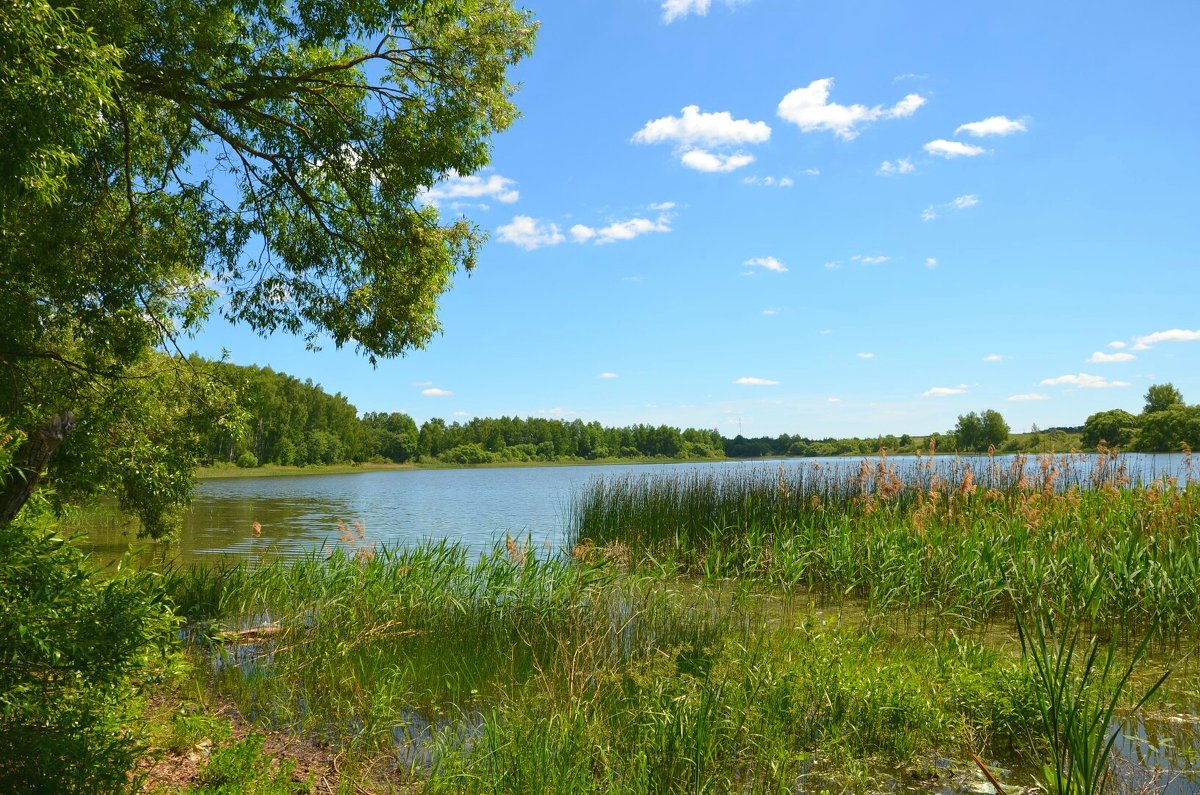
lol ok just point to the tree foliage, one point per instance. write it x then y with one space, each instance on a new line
1115 428
1160 397
160 154
977 432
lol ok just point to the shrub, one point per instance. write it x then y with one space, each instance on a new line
72 648
247 460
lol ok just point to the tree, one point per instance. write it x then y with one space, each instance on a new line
1168 430
976 432
158 153
1160 397
1115 428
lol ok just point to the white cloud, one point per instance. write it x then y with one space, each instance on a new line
993 357
770 182
1083 381
1099 357
435 392
770 263
581 233
752 381
902 166
606 375
530 233
870 260
422 383
1029 396
952 149
674 9
908 76
945 391
770 312
931 262
663 207
1117 344
992 125
825 332
1170 335
809 108
963 202
865 355
702 160
813 172
493 186
833 400
695 128
620 230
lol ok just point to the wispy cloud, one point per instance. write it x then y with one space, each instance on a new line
890 169
770 182
557 411
492 186
768 263
703 160
868 260
945 391
433 391
770 312
606 375
931 262
748 380
993 357
1029 396
833 400
1170 335
530 233
620 230
422 383
674 9
992 125
696 128
1099 357
1117 344
952 149
908 76
1084 381
809 109
963 202
865 355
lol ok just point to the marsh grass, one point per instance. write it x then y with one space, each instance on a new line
946 543
517 673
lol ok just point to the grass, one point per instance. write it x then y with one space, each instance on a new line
677 648
936 542
515 673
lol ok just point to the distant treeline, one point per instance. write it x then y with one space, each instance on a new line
292 422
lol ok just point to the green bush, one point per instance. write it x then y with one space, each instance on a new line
73 647
247 460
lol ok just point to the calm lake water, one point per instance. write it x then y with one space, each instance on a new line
476 507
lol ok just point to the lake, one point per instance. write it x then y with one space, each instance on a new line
475 507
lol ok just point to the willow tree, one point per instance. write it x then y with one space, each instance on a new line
161 160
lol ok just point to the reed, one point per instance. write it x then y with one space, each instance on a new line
517 673
941 542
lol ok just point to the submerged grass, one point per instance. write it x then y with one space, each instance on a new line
950 543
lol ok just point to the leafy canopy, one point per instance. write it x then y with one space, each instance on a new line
160 155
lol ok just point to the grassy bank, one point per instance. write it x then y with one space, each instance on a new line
517 674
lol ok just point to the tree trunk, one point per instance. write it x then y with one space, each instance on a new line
30 462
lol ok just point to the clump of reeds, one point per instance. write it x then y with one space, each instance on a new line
938 538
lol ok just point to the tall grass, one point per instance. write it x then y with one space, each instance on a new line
514 673
946 542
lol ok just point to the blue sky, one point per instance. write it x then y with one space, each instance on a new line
820 218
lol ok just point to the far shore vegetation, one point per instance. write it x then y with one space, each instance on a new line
288 426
